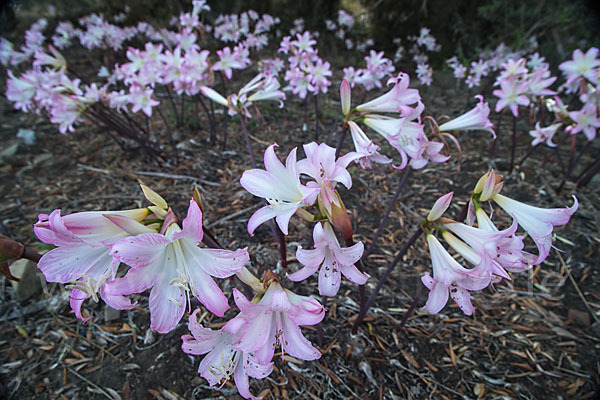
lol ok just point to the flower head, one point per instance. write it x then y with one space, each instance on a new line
174 266
332 260
280 186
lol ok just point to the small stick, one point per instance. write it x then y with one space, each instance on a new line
587 305
385 276
402 178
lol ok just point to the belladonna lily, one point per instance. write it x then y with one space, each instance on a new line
261 87
280 186
222 360
510 254
396 100
273 321
449 277
82 257
332 259
476 119
364 146
486 244
321 165
538 222
174 266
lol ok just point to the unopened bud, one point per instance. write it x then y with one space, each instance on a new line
440 207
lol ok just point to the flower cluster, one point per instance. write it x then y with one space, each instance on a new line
404 130
492 252
285 196
378 68
307 72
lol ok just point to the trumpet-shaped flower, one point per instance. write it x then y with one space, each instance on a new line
546 134
512 95
581 66
538 222
510 249
449 277
321 165
586 121
274 322
396 100
173 266
82 257
364 146
332 259
476 119
486 245
280 186
222 360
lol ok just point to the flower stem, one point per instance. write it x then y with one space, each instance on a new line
316 98
402 178
384 277
495 140
514 146
338 147
248 144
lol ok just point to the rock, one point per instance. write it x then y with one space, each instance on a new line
30 284
110 314
579 318
595 329
9 152
27 136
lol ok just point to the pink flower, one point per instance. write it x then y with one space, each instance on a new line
280 186
142 99
581 66
229 61
476 119
448 276
510 249
332 259
538 222
222 360
440 207
511 94
321 165
82 255
22 90
364 146
586 121
173 266
304 42
546 134
395 100
274 322
483 247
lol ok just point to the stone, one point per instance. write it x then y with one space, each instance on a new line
31 279
27 136
110 314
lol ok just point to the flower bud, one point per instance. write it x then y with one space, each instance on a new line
338 216
440 207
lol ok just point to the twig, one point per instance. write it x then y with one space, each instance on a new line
231 216
397 363
587 305
73 331
86 380
402 178
173 176
386 274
